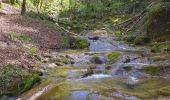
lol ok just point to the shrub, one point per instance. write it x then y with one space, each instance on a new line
13 35
32 52
140 40
25 38
79 43
130 38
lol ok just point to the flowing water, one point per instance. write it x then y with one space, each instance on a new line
88 80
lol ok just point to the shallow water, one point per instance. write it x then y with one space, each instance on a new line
117 83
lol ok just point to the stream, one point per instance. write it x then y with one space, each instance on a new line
88 74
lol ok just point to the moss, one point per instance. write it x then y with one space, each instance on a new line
153 69
32 52
159 58
25 38
168 47
63 60
155 48
113 55
165 91
140 40
79 43
30 81
15 80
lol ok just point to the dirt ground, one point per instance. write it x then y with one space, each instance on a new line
43 37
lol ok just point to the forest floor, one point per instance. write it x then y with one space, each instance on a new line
18 34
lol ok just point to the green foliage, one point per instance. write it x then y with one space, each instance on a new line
25 38
32 52
168 47
79 43
155 48
113 55
66 41
153 70
13 35
30 81
140 40
129 38
15 80
158 47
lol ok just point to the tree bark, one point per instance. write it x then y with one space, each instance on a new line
23 7
0 3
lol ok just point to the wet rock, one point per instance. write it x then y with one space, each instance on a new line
132 81
45 60
71 62
127 60
119 73
138 74
79 95
59 64
120 95
96 60
88 73
108 67
93 37
100 33
52 65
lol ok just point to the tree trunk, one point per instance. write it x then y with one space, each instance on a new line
23 7
0 3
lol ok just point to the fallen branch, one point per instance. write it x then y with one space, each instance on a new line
135 23
135 17
67 31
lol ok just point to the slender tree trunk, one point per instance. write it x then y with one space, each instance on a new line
0 3
23 7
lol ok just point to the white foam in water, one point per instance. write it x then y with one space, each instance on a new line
97 76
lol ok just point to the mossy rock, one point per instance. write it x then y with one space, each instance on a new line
113 55
79 43
96 60
62 60
159 58
165 91
30 81
16 80
153 69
